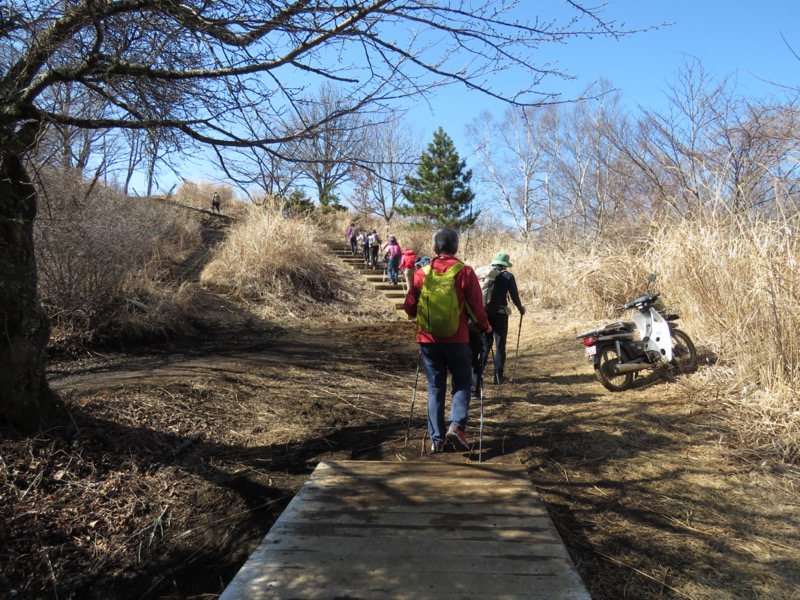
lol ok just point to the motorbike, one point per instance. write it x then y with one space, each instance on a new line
652 342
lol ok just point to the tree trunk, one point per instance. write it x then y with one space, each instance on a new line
25 398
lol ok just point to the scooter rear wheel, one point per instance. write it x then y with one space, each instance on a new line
604 371
684 354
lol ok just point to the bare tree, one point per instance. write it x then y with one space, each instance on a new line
391 151
328 140
516 163
591 176
263 174
201 69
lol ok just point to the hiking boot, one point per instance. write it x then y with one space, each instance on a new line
456 435
500 379
438 447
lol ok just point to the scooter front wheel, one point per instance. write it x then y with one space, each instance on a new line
607 359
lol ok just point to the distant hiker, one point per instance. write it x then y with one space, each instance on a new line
407 264
352 236
363 239
497 285
215 202
440 296
392 251
374 246
421 262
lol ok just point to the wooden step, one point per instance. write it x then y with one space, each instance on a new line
419 530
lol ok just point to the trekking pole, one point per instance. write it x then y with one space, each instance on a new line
516 352
413 396
480 427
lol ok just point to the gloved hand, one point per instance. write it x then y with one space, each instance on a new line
522 310
488 330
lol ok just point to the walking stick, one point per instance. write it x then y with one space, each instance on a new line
480 428
516 352
413 396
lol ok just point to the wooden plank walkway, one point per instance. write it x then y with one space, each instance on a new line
360 530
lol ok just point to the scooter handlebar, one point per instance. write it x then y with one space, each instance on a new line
639 302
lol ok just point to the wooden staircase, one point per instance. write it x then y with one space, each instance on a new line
395 294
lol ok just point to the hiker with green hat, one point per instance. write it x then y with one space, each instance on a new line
497 309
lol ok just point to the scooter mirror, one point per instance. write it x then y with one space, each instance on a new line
651 278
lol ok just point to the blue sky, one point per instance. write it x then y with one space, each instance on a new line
732 37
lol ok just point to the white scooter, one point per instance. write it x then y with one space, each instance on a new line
620 351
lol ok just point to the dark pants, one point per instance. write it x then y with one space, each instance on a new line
353 246
476 348
499 323
373 256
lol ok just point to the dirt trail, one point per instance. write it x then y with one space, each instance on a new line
189 452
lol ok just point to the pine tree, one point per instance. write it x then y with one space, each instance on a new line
439 194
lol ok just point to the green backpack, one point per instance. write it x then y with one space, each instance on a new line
438 310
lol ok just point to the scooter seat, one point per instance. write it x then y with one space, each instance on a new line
622 325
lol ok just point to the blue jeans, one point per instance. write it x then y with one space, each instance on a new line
438 360
393 268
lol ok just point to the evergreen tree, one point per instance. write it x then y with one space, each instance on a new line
439 194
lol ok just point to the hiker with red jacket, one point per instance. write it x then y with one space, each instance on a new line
392 251
407 264
447 354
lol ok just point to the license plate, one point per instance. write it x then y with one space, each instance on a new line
591 351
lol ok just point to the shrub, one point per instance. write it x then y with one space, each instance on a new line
269 257
93 246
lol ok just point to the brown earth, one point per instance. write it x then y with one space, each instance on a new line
179 457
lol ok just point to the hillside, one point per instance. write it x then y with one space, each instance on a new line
181 455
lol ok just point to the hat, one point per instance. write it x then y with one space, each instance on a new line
502 258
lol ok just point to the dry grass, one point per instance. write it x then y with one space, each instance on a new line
101 256
281 268
198 195
736 284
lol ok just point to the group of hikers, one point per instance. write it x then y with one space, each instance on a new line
462 317
370 244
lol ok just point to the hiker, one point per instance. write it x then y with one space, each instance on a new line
374 245
363 239
352 236
442 354
407 264
392 251
498 310
215 202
